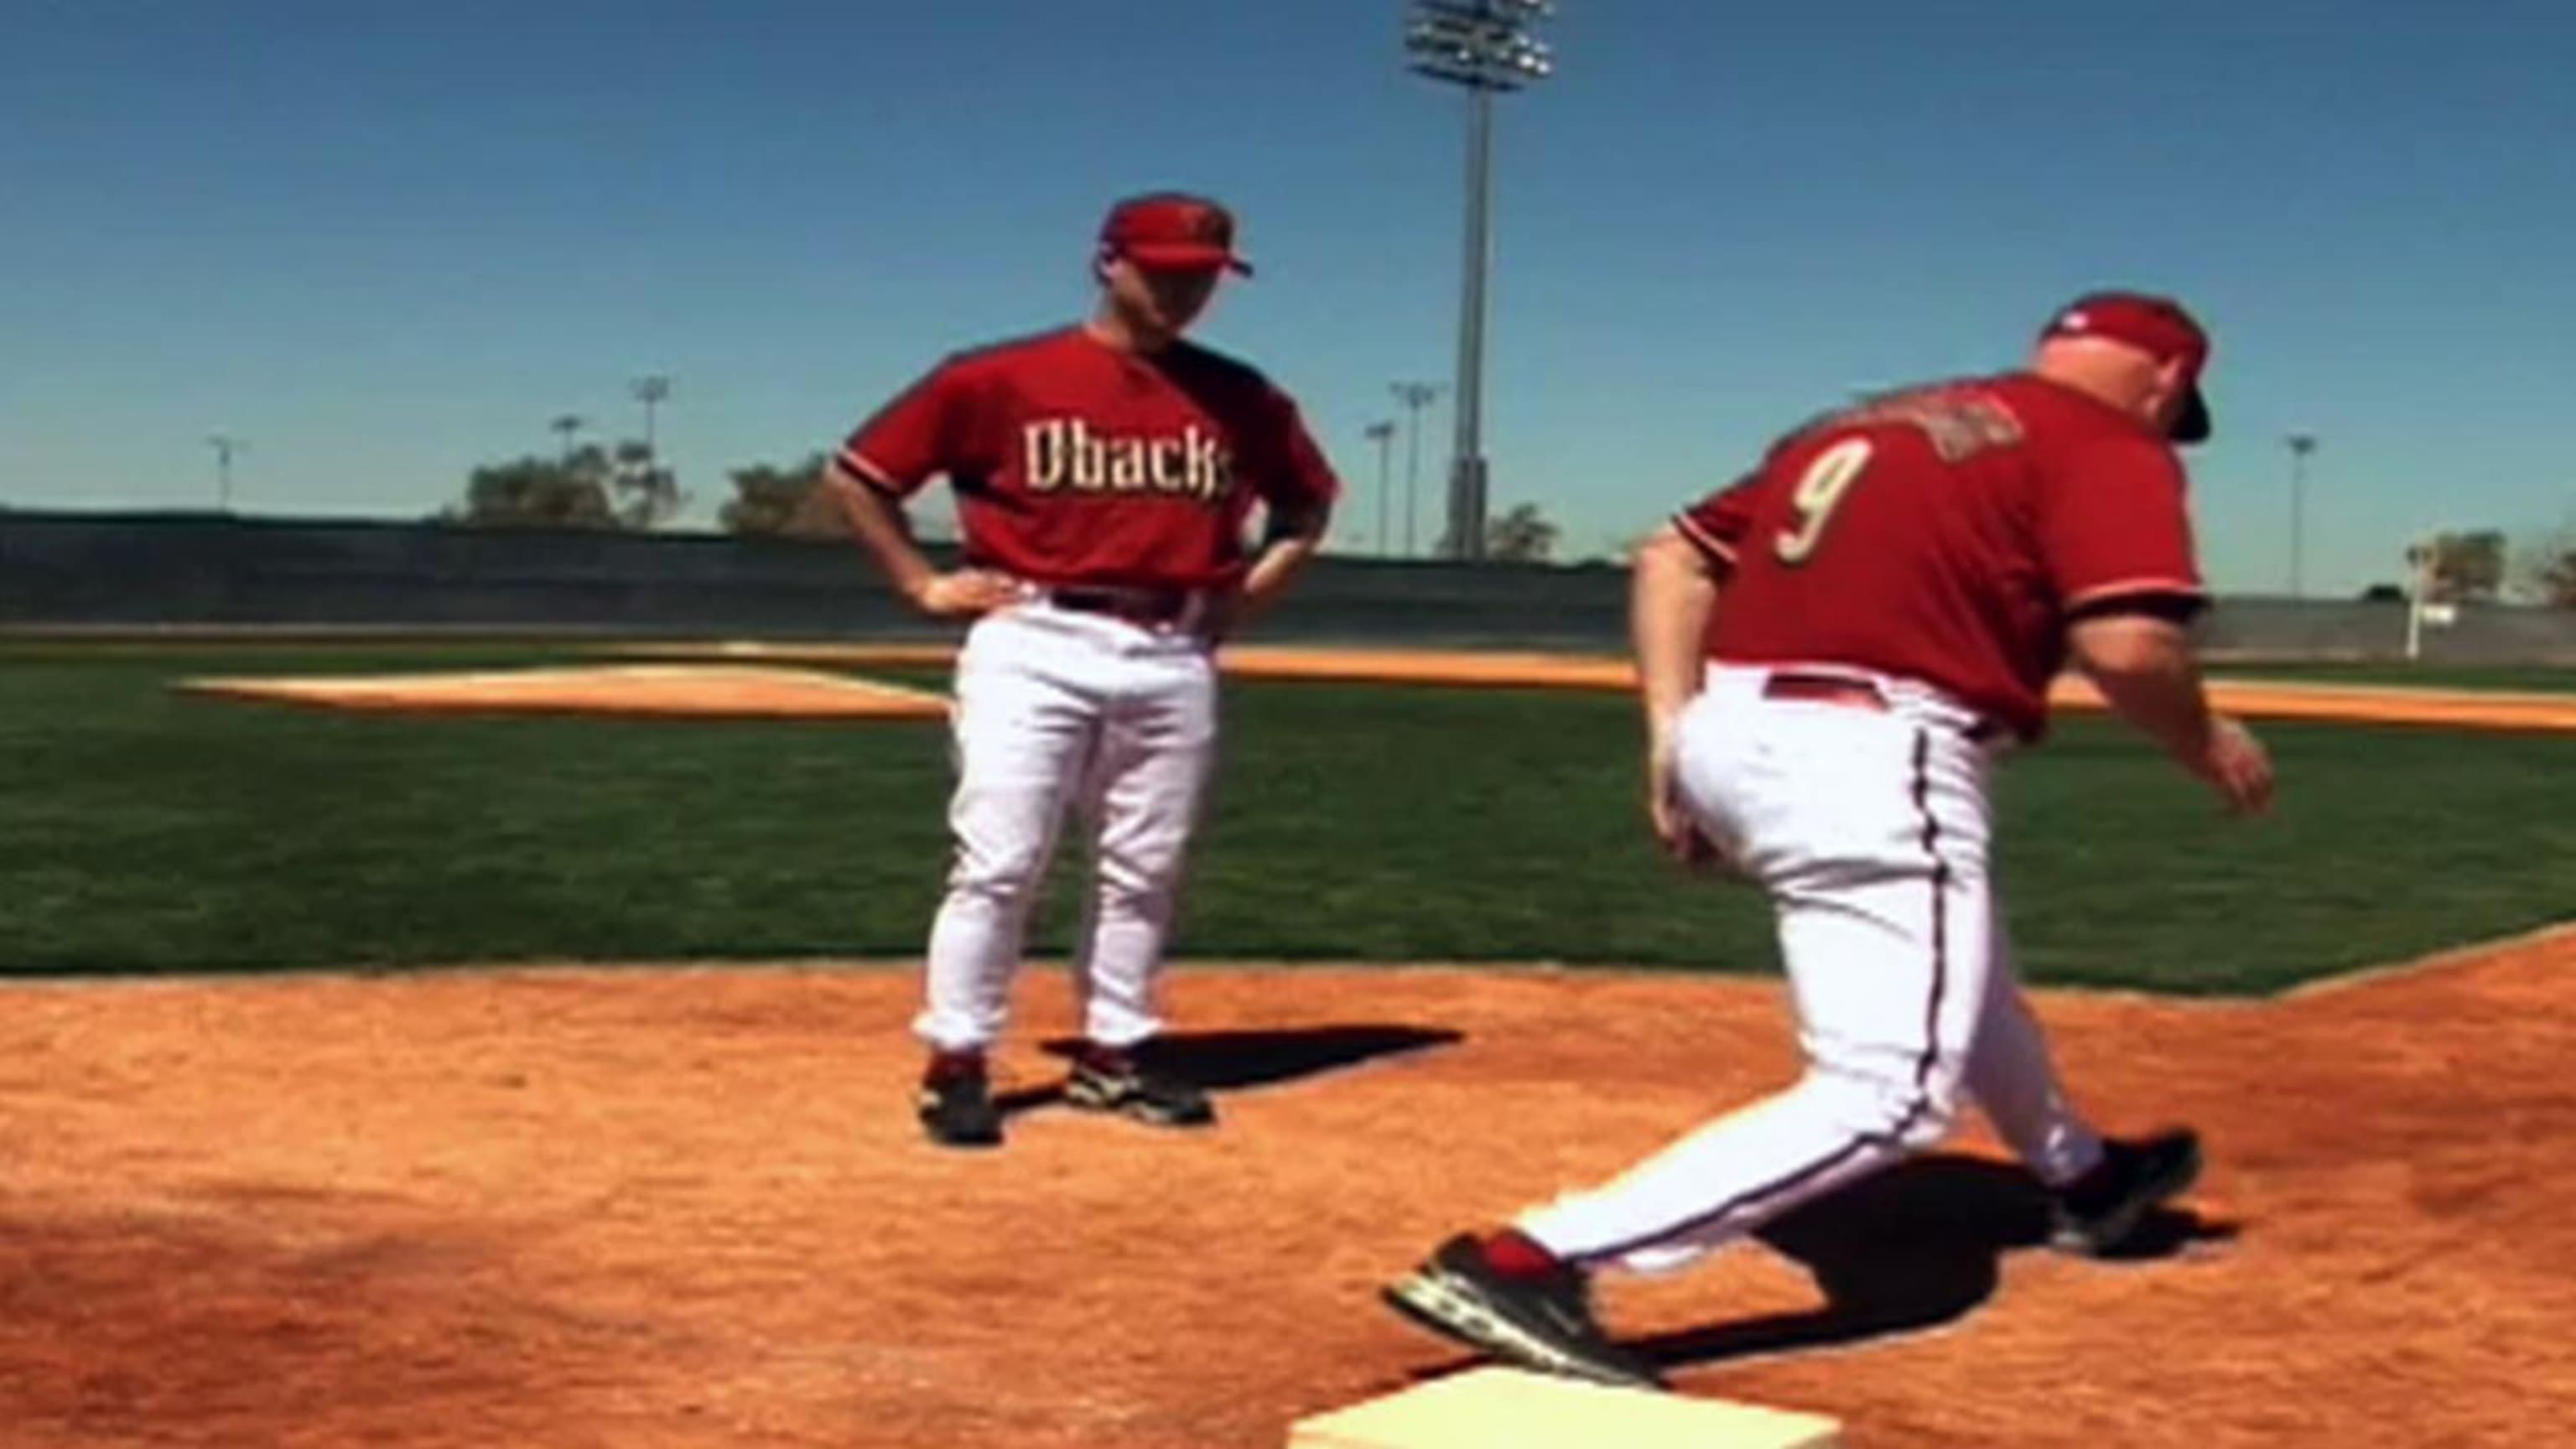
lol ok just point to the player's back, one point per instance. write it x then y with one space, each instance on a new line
1908 535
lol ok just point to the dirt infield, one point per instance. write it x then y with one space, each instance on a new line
643 1208
2253 699
727 690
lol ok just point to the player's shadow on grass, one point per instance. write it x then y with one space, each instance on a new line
1227 1061
1915 1247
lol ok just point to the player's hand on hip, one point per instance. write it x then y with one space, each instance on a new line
1674 829
965 594
2238 767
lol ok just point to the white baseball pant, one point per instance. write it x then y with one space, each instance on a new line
1055 710
1870 829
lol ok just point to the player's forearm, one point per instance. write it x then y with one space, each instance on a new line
1671 598
1279 564
1287 552
2145 670
881 529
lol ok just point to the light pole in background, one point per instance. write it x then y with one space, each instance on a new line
225 446
1414 397
1484 46
2301 445
564 426
1382 434
2421 557
651 390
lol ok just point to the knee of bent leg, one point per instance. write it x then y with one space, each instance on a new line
1913 1107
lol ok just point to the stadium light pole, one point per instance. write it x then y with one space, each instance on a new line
1382 434
652 390
225 446
1484 47
2300 445
1415 396
564 425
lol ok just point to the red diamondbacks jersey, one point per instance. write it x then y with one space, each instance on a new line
1076 462
1947 534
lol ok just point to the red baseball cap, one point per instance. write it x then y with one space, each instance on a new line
2157 326
1172 229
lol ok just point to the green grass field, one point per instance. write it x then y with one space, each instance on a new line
144 831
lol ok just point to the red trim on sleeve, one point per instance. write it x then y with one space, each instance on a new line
865 470
1703 540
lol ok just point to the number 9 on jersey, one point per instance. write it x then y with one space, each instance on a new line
1819 492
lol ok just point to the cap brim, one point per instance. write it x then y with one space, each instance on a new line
2191 425
1185 258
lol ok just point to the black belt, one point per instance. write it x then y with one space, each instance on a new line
1149 606
1844 690
1823 689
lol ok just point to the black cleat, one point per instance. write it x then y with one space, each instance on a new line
1112 1082
2097 1212
1543 1323
957 1110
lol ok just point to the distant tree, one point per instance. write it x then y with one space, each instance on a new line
645 495
773 502
2546 566
2384 594
570 491
1522 535
584 487
2558 580
2551 570
2467 566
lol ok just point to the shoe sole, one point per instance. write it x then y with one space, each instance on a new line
2110 1232
1091 1100
1462 1315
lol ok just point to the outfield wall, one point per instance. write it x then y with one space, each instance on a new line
201 571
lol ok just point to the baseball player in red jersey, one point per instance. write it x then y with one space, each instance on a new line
1830 654
1106 476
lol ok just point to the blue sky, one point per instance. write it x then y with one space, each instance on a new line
386 241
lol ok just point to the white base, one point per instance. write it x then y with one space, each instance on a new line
1500 1408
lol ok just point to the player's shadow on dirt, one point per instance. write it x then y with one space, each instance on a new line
1227 1061
1918 1246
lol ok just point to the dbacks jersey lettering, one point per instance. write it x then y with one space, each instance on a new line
1065 453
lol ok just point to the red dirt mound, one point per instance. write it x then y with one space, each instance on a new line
640 689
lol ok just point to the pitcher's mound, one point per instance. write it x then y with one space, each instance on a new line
704 690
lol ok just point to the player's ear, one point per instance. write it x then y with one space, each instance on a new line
2172 381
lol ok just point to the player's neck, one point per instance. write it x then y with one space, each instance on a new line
2109 380
1113 329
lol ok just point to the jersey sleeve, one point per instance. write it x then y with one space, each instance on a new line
1296 475
2115 528
926 431
1717 525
